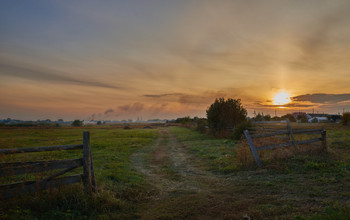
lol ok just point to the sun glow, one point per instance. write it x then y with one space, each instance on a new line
281 98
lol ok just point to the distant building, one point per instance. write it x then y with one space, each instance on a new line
91 122
312 117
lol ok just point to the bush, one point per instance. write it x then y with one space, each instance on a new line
290 117
238 132
345 120
303 119
223 114
202 125
77 123
126 127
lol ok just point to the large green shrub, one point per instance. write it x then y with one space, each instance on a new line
239 129
201 125
224 114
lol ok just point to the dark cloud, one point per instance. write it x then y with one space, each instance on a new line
109 111
43 74
137 106
189 99
289 105
131 110
322 98
195 99
162 95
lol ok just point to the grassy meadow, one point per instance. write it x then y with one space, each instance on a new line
178 173
118 184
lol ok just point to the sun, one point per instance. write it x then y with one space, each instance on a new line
281 98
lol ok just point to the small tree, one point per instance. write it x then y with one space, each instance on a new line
303 118
223 114
77 123
290 117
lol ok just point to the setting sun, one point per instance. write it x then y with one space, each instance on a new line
281 98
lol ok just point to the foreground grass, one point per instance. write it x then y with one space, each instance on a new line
217 154
120 187
302 186
309 185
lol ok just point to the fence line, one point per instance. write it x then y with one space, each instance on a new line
19 168
293 142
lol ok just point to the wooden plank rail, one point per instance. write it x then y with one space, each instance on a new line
288 144
254 149
27 167
270 134
304 131
18 168
308 131
40 149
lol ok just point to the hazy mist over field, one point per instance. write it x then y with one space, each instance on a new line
166 59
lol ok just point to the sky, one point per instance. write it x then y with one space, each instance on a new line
114 60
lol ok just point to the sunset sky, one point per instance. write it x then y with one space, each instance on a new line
166 59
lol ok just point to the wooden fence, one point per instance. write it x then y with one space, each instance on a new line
20 168
254 149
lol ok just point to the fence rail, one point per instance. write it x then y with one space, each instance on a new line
40 149
27 167
254 149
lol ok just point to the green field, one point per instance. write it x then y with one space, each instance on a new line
177 173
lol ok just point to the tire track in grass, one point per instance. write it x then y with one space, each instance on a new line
170 169
167 166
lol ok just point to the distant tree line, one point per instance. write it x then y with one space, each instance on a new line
228 118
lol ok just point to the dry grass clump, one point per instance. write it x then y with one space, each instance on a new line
243 155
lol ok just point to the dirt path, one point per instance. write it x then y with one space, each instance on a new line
177 178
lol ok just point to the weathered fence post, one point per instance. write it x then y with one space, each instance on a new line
252 148
291 134
86 162
93 181
324 140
